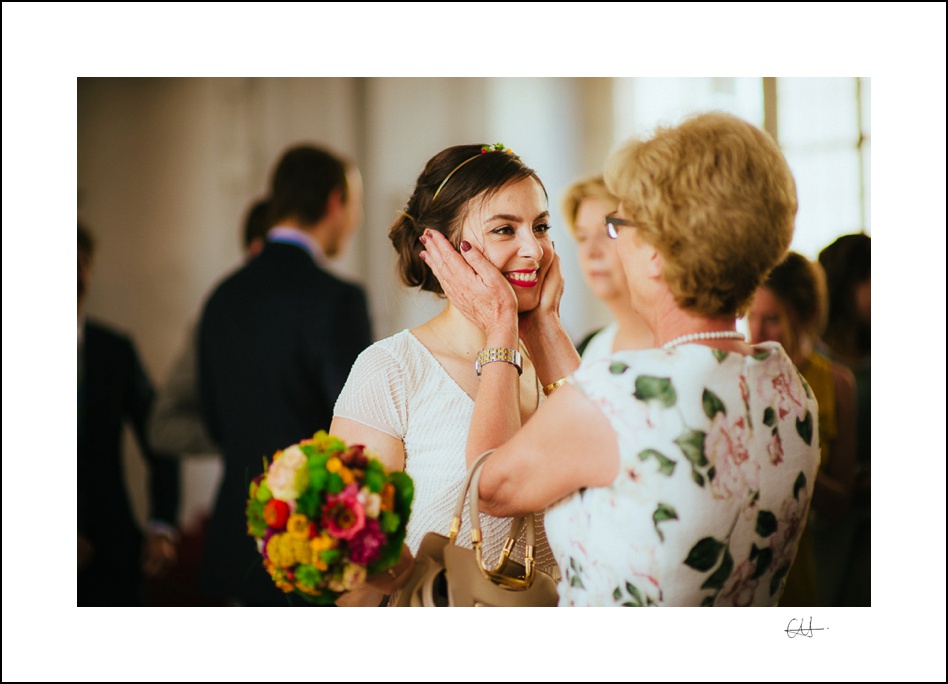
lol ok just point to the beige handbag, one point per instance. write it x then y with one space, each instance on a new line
446 574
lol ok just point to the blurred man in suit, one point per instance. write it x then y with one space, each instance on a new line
114 557
276 341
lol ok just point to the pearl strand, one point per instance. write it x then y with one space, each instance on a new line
716 335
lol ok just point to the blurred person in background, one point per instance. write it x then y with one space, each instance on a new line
586 204
790 308
847 339
114 391
276 341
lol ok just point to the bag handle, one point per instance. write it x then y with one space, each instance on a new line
494 574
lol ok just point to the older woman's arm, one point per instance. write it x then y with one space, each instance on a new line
567 445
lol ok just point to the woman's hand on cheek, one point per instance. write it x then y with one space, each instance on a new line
471 283
551 293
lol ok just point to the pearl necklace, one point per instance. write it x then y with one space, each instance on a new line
716 335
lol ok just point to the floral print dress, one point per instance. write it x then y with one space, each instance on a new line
718 456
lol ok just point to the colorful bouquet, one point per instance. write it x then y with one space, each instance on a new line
326 515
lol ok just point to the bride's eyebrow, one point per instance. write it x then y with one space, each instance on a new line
515 219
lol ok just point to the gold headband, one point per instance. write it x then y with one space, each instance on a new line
496 147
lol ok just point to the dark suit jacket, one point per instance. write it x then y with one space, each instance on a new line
114 389
276 342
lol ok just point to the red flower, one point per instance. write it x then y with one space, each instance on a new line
276 513
344 514
366 547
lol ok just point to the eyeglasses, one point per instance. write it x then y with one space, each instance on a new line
613 223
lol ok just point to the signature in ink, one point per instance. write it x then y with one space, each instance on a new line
796 627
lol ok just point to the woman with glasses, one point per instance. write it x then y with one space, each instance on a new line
680 475
586 203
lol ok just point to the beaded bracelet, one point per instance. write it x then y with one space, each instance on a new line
485 356
548 389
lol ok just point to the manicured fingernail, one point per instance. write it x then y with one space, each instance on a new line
423 256
465 245
423 239
428 233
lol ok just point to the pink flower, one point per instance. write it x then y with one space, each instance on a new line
366 546
781 387
740 587
343 514
725 447
789 528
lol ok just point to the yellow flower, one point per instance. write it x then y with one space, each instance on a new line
298 526
322 543
299 549
346 475
334 465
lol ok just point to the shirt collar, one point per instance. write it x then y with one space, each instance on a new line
295 236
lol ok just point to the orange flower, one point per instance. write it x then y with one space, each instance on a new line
298 526
388 497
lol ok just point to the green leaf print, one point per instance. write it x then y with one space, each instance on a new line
766 523
704 555
666 466
650 388
712 404
719 354
763 355
617 594
717 580
799 484
618 368
711 472
763 557
635 594
806 385
692 446
662 513
805 428
707 602
696 476
778 577
770 417
574 580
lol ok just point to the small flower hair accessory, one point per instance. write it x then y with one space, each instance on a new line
496 147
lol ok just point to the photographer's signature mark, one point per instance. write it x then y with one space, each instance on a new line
797 627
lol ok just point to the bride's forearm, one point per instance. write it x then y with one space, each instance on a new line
496 415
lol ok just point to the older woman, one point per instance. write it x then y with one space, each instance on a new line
680 475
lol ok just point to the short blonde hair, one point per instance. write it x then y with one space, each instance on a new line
715 196
588 188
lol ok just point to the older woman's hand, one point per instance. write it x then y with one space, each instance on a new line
547 312
472 283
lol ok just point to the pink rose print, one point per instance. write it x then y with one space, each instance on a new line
740 587
725 447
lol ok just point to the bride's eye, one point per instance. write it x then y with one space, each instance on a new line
503 230
542 228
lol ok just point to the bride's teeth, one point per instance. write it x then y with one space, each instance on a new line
523 277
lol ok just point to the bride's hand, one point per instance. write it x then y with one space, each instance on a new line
471 283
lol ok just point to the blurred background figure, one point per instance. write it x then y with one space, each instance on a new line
176 426
276 341
847 265
114 390
790 308
585 206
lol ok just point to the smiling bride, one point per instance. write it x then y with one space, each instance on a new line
410 396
